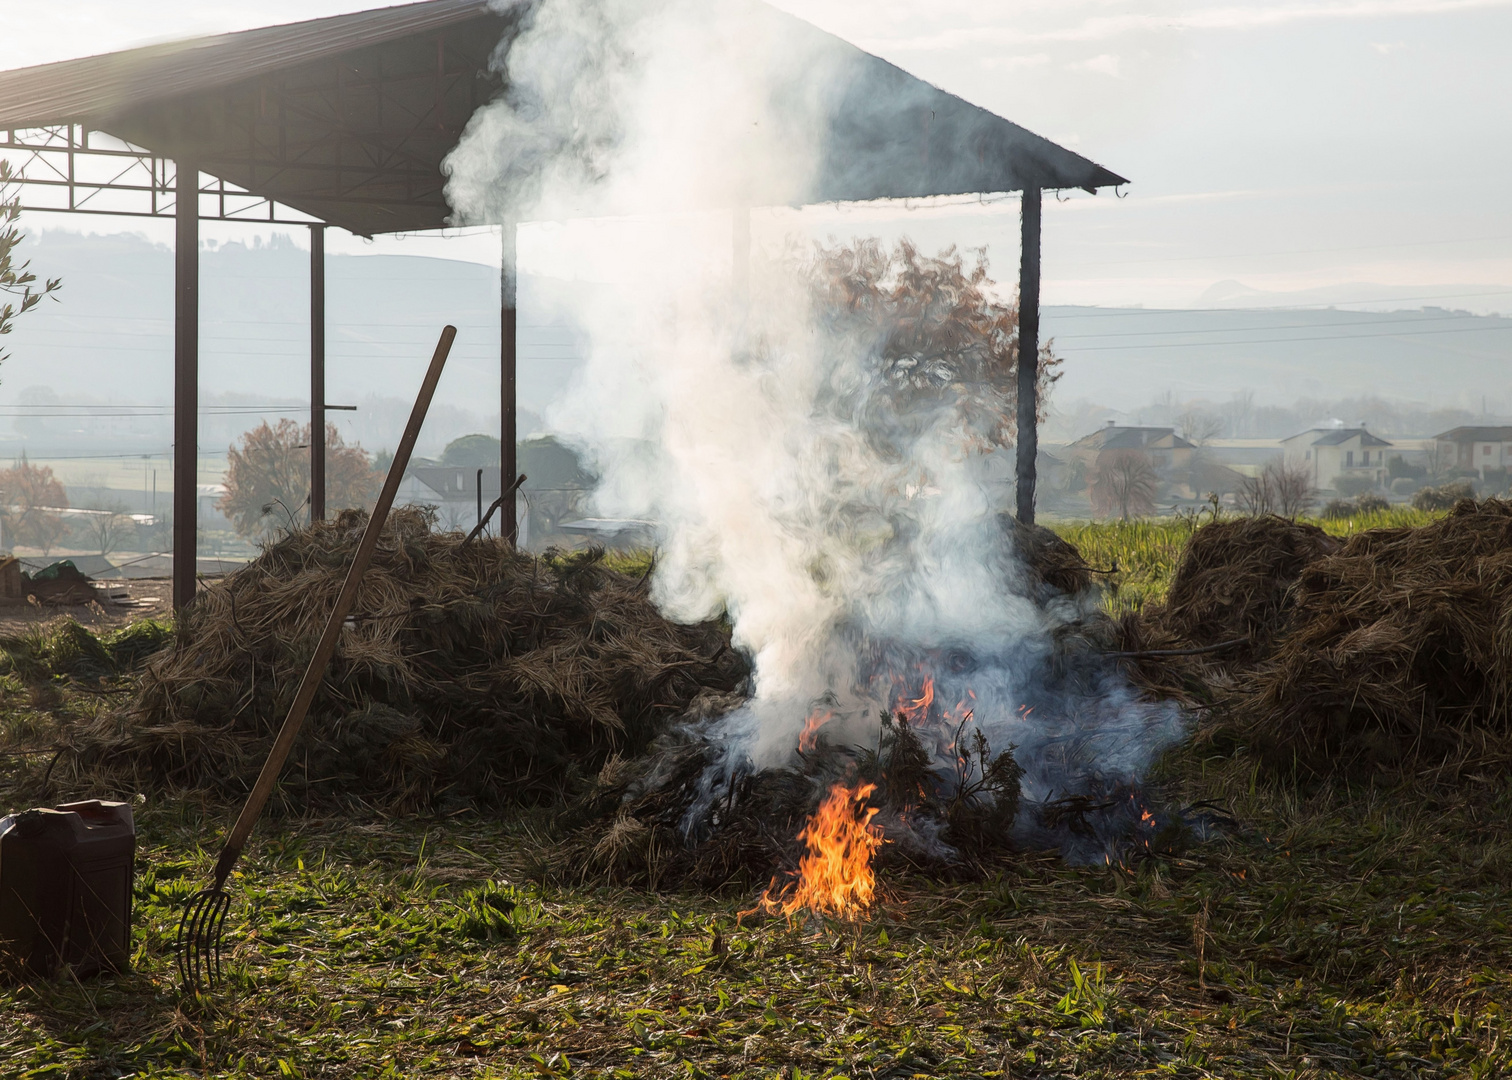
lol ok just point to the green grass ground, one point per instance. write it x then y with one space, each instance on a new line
1337 931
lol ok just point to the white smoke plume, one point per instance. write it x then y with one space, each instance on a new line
740 423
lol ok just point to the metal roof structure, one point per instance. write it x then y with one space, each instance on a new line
345 119
348 119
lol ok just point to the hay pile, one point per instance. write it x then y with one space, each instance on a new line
1397 651
1053 565
1392 649
467 674
1233 585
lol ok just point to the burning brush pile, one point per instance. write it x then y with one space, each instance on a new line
949 778
468 674
1389 650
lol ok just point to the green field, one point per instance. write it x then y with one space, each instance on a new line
1335 931
1147 551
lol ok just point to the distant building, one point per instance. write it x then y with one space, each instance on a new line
1128 471
1165 449
1329 454
1474 449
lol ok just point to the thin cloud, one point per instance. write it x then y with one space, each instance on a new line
1014 63
1106 64
1228 17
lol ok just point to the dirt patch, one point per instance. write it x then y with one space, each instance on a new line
112 605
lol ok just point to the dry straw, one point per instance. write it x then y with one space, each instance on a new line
468 673
1391 650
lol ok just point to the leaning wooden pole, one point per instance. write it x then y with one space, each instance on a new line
1028 353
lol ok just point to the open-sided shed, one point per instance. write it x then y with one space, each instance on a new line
346 121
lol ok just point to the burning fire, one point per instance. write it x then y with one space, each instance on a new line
810 736
835 876
917 710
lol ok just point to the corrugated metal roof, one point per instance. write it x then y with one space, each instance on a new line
93 89
304 113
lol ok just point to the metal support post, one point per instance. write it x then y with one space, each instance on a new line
1028 354
509 527
317 374
185 381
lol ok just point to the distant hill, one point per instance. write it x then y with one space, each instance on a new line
109 339
1127 357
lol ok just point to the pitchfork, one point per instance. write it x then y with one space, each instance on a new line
199 934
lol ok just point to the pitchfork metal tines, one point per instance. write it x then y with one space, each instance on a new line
200 931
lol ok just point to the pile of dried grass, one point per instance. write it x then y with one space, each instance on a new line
1233 585
1397 652
1052 563
1233 582
467 674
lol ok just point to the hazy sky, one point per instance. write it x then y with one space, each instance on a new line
1286 145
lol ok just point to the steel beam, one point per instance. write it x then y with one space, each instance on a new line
509 526
185 382
317 374
1028 353
50 160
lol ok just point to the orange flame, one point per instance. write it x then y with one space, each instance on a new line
810 736
835 876
917 710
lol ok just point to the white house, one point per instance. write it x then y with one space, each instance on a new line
1327 454
1477 448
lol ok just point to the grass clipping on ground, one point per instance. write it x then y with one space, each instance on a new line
468 673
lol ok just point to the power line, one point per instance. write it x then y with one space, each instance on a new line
1279 341
1098 312
1294 251
1268 329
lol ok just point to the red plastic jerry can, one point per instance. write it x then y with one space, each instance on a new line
65 889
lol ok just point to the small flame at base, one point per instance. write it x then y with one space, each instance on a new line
835 876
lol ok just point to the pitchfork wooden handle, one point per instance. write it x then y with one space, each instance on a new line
344 600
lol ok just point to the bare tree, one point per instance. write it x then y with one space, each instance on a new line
1294 490
1279 489
108 527
1199 427
1255 495
1441 460
1124 482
